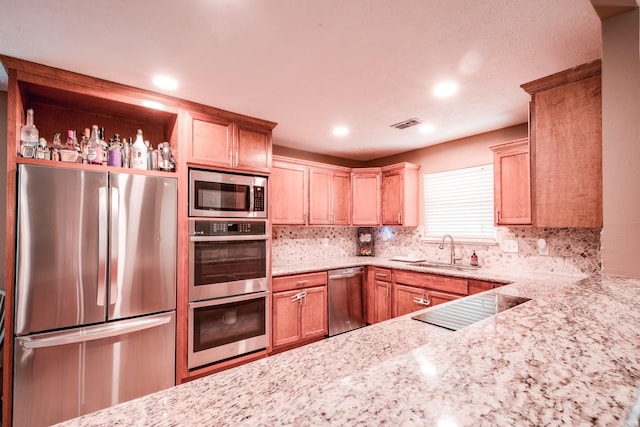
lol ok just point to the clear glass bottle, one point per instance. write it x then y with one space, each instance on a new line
139 152
94 147
104 146
126 154
29 136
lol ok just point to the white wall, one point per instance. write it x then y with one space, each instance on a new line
621 144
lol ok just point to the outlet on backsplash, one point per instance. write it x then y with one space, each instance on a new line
510 246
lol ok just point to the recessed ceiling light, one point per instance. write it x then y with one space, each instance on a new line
340 131
426 128
445 89
165 82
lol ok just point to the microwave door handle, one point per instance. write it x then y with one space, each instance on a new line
227 238
251 201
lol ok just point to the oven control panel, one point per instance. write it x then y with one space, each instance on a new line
227 228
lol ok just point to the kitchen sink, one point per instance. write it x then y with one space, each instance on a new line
446 265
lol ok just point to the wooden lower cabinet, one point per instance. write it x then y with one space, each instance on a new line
409 299
442 297
477 286
299 309
383 301
382 279
413 291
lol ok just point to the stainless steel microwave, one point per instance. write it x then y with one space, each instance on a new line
226 195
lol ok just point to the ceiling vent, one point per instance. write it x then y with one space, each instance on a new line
406 124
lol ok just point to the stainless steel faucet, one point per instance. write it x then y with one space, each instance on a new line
454 258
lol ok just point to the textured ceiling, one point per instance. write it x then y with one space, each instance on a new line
312 64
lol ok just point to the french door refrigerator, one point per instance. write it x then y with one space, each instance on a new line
95 291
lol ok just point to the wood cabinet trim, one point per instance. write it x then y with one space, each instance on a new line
580 72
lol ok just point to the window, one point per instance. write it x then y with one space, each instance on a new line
460 203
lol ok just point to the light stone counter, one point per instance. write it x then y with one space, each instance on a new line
570 357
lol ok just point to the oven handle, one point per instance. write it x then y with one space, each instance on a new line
227 238
226 300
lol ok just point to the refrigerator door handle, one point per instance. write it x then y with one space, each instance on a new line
115 222
96 333
103 225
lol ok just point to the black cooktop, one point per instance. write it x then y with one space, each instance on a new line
466 311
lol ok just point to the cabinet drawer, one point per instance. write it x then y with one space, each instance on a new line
447 284
410 278
430 281
383 274
299 281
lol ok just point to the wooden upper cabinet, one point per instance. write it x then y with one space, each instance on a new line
220 142
365 196
512 183
400 194
329 196
289 193
253 149
566 148
211 141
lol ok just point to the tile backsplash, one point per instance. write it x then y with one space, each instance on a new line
565 250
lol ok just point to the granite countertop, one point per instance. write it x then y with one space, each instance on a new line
568 357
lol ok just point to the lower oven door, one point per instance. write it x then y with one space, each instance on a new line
227 327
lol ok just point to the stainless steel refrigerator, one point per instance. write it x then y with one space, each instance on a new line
95 291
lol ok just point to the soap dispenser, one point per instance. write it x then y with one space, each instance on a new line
474 259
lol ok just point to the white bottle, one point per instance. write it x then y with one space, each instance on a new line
139 153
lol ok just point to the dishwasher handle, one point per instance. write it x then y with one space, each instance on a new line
345 274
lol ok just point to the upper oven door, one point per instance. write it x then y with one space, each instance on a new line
223 266
226 195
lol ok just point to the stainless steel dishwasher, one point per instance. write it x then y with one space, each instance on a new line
346 308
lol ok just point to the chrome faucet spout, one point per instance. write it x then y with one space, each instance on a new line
453 258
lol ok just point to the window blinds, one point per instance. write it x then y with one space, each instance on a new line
460 203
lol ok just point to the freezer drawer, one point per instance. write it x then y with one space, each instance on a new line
62 375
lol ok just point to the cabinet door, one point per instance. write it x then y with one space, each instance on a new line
441 297
253 149
512 183
566 148
286 318
314 313
211 142
319 196
340 198
383 301
288 193
408 299
365 198
391 198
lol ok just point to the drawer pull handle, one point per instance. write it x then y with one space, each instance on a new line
302 282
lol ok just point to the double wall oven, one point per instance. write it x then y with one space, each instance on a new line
229 299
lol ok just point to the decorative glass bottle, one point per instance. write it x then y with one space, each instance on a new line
94 147
29 136
139 153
